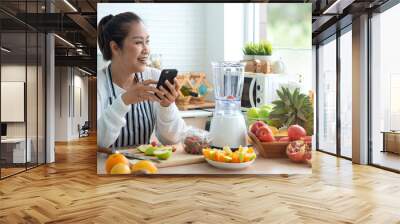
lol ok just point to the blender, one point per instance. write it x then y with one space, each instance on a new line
228 126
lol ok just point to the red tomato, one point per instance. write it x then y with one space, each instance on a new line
296 132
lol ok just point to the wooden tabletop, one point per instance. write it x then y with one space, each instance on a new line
260 166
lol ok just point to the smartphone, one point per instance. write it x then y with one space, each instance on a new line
167 74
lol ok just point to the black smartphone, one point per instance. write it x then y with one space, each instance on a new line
167 74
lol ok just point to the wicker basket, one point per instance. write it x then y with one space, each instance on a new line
269 149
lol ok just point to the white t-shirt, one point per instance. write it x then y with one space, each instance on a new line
111 115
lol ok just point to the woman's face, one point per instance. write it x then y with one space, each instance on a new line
135 50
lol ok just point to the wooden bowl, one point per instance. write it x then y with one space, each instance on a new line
269 149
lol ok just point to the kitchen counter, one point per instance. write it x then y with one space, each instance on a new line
260 166
195 113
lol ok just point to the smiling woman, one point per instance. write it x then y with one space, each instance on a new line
129 106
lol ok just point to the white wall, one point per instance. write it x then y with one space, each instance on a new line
214 22
15 72
177 31
33 127
233 31
189 36
68 82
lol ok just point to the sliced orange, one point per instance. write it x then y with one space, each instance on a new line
217 155
114 159
120 168
144 166
221 156
206 153
235 158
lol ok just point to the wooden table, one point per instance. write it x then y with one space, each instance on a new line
260 166
391 141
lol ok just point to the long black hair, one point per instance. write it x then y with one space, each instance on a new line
114 28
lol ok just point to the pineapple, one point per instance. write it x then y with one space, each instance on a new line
292 107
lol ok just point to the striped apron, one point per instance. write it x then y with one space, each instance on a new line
140 119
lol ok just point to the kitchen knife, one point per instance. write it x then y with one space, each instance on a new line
134 156
127 154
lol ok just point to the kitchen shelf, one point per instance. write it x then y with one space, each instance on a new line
253 74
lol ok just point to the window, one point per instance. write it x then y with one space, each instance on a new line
346 94
288 28
327 96
385 89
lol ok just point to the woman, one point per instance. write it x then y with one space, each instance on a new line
129 107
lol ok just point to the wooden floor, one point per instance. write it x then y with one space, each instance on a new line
70 191
387 159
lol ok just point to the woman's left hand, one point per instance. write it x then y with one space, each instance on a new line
169 95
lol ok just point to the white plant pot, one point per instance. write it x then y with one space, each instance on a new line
248 57
264 57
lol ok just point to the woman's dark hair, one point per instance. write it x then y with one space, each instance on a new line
114 28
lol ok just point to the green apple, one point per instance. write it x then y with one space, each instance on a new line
253 156
265 110
163 153
227 149
241 156
253 113
143 148
150 151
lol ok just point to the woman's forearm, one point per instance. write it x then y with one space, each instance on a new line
169 126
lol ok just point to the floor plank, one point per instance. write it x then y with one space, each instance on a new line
69 191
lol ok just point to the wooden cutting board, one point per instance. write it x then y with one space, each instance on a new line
200 105
178 158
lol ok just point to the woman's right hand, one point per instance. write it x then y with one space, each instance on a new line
141 92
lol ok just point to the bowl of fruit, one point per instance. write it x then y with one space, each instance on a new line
226 159
272 143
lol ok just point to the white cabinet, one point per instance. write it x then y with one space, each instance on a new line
13 150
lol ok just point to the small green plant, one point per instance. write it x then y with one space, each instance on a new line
262 48
250 48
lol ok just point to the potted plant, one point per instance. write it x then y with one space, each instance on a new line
249 51
263 51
